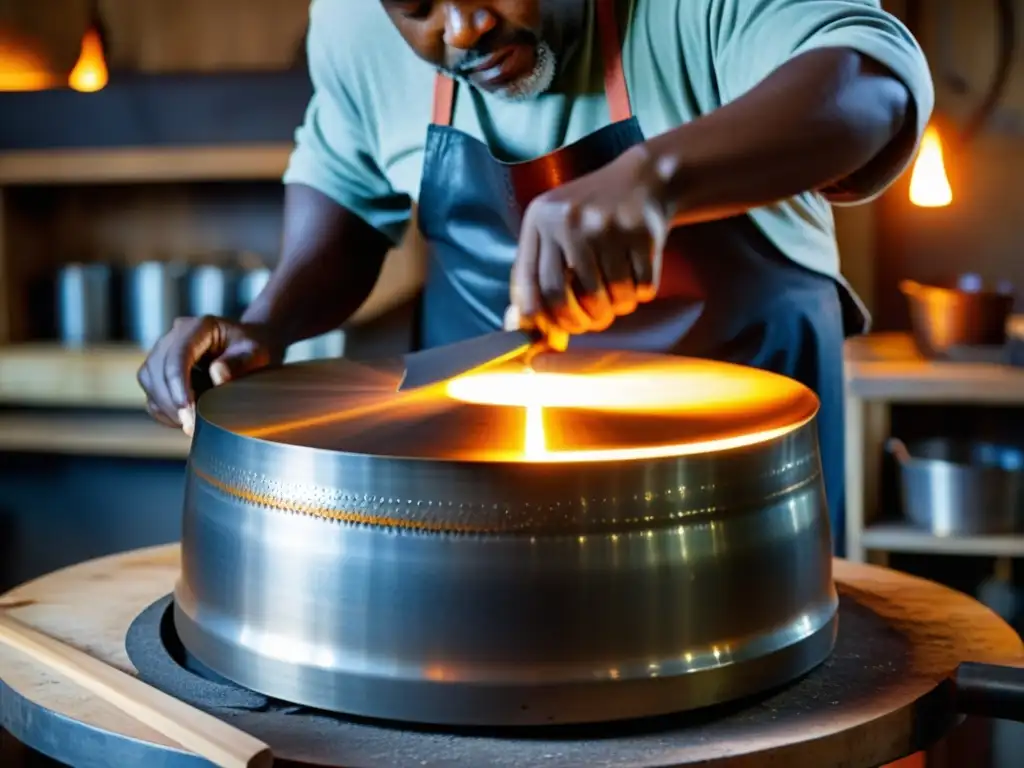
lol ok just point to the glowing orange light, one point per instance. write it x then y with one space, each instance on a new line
21 69
700 389
90 73
929 185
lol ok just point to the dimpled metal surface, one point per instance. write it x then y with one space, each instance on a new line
395 555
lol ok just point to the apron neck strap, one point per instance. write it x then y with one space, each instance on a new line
615 89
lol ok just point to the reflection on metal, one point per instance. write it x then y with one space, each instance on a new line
400 555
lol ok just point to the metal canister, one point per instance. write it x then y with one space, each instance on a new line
83 304
209 291
326 346
153 299
250 284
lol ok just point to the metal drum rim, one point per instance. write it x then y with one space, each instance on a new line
613 463
507 498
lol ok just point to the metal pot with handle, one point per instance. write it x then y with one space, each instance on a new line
970 313
961 487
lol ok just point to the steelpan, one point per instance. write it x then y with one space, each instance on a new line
607 536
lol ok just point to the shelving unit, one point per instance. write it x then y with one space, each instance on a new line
88 402
886 369
110 434
48 375
258 162
146 199
899 537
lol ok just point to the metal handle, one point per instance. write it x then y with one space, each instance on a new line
989 690
899 450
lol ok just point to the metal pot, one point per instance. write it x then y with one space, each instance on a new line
395 555
250 285
968 314
154 297
83 304
961 488
210 291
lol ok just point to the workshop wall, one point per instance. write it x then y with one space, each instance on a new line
983 229
162 36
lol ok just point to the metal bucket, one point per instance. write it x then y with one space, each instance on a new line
356 549
961 488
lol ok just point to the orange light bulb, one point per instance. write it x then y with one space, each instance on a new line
21 68
929 185
90 73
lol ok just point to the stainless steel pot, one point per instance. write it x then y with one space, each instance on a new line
210 291
83 304
250 285
399 555
969 313
961 488
154 297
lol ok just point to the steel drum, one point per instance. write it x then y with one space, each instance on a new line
607 536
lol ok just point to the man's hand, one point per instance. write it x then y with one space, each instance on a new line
590 250
235 349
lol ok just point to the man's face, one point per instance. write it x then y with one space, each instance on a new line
496 45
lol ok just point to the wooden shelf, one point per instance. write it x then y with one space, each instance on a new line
257 162
887 366
52 376
111 434
901 537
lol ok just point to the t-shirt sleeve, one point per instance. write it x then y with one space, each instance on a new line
752 38
334 145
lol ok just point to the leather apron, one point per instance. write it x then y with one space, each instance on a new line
727 292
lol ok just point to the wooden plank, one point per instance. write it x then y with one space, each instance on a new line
901 537
886 366
258 162
50 375
199 35
132 435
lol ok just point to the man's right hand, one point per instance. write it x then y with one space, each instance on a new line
235 349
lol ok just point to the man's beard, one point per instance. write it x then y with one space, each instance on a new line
530 85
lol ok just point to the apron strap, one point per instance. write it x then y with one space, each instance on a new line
615 88
444 99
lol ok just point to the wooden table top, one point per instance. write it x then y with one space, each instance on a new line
91 606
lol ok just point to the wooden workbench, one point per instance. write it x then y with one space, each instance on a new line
880 697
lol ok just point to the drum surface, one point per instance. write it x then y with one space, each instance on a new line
603 536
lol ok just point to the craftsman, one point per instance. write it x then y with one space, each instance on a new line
668 165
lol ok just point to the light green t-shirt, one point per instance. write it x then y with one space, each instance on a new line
363 137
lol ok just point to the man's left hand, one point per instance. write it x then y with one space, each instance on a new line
591 250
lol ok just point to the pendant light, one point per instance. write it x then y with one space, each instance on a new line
90 73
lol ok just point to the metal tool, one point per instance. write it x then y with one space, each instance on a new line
519 340
398 555
440 364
